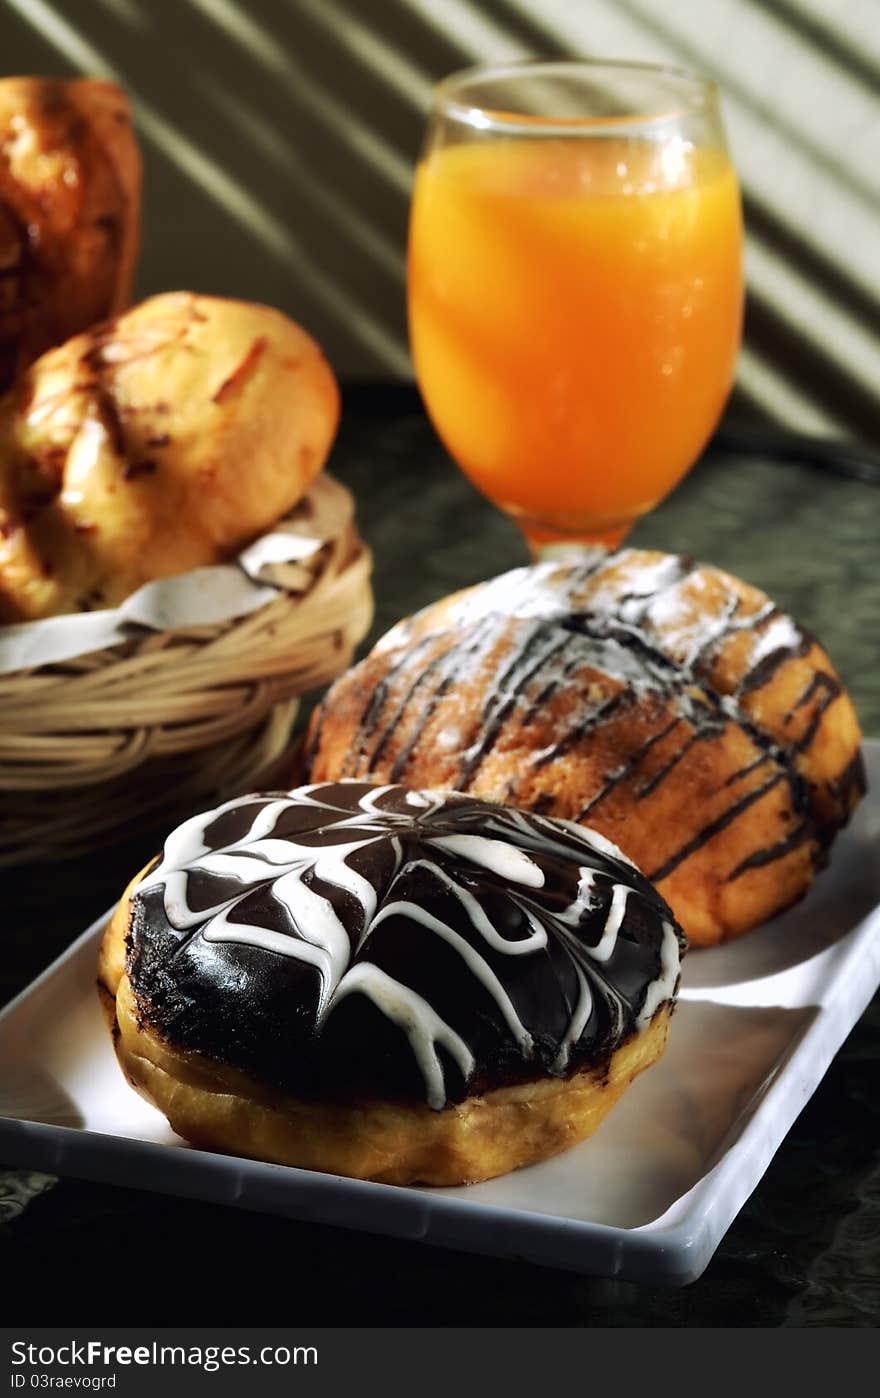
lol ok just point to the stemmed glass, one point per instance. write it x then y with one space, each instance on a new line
575 287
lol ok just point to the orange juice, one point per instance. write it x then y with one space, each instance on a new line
575 313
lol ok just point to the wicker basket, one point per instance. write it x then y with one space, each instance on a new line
97 747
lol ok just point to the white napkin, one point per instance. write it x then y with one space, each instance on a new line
202 597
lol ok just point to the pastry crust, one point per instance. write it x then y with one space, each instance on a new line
70 194
678 712
219 1108
158 442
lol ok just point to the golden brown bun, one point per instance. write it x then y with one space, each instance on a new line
219 1108
722 757
157 442
70 193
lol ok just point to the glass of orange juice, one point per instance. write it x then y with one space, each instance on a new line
575 287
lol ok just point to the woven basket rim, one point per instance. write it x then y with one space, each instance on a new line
95 723
141 635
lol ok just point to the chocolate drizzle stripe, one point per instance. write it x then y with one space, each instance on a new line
715 827
552 687
660 776
594 719
750 767
832 688
853 779
678 631
452 664
110 419
421 680
813 683
763 671
505 692
374 706
762 857
626 769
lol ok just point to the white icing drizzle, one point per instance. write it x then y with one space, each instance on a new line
578 1022
182 848
664 986
588 897
661 596
593 838
316 921
220 929
478 918
422 1025
781 634
608 940
503 859
477 963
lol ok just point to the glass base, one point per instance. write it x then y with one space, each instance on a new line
546 542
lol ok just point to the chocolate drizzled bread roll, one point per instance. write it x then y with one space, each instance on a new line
70 193
668 704
388 983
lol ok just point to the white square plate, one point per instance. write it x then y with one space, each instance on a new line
648 1198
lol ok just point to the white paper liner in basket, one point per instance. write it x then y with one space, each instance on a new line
109 719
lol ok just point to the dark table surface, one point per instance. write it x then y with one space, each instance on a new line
805 1250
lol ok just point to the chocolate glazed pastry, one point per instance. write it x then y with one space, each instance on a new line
70 191
668 704
390 984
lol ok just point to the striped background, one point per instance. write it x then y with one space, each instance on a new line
280 136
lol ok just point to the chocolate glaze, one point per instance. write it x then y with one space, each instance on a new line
355 941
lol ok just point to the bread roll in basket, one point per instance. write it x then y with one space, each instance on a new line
174 570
